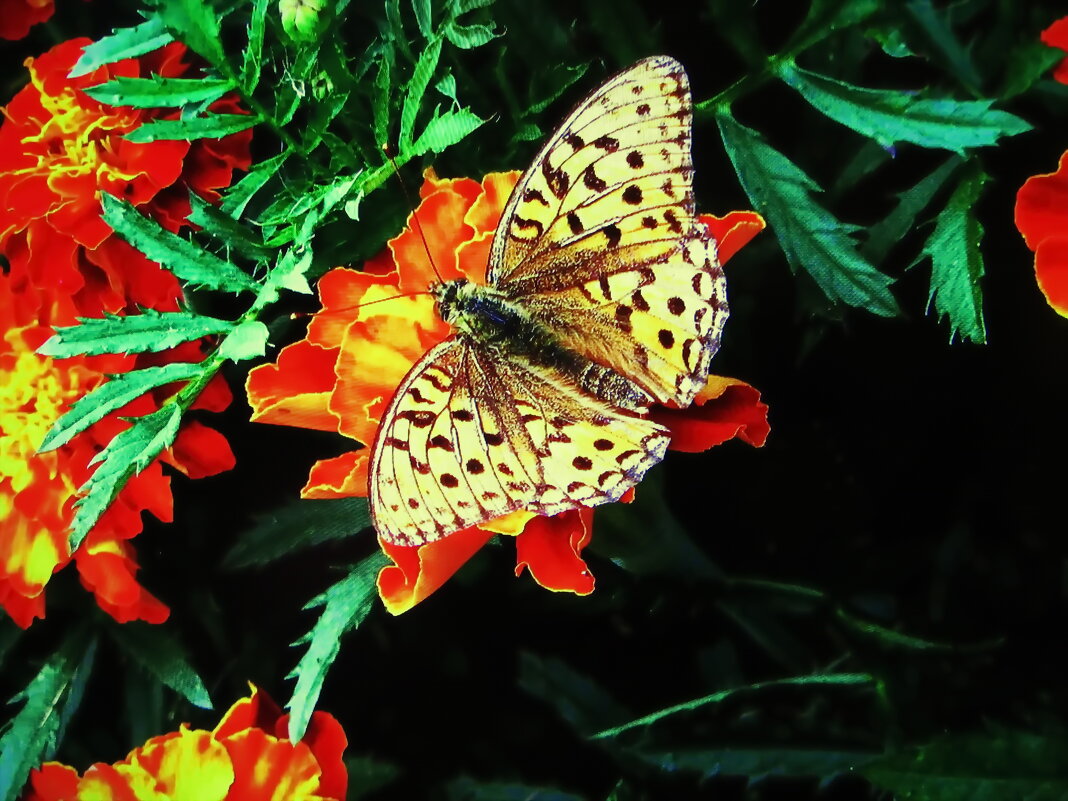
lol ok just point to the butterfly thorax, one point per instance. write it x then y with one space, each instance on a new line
489 317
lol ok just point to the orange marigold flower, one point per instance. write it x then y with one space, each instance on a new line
342 376
18 16
247 757
38 490
1042 219
59 149
1056 35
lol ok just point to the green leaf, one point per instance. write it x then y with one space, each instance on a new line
1026 65
252 59
131 451
935 26
447 87
422 17
579 700
889 116
148 332
48 701
824 15
367 774
812 239
837 679
238 196
110 397
468 789
222 226
122 43
345 606
195 23
296 526
424 71
291 271
891 229
195 267
156 650
957 263
977 767
446 130
468 37
247 341
380 101
770 761
158 92
210 126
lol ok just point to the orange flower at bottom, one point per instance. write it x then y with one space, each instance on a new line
247 757
342 376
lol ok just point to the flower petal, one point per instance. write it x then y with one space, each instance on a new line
1051 269
417 572
724 409
1042 205
550 548
733 231
1056 35
344 476
199 451
295 390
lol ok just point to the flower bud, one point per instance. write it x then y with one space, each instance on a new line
300 18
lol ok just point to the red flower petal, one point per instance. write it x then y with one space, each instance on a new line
732 231
295 390
344 476
258 711
724 409
550 548
327 742
417 572
1056 35
1051 269
1042 205
199 451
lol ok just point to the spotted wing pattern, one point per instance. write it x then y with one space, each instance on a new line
470 436
600 242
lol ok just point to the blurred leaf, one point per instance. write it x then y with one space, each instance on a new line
977 767
111 396
467 789
468 37
158 92
194 266
380 99
934 23
824 15
131 451
1026 65
48 701
447 87
298 525
237 196
196 24
891 40
122 43
422 17
957 263
580 701
366 775
753 762
209 126
346 605
890 116
156 650
446 130
248 340
251 60
148 332
736 24
424 71
889 638
836 679
812 239
892 229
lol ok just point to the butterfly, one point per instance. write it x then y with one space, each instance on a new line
603 296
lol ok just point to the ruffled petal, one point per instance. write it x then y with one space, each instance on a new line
1042 205
344 476
1051 270
295 390
417 572
199 451
733 231
551 546
724 409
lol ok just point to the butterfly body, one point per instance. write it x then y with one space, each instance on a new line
603 295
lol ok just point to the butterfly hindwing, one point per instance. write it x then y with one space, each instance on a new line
469 437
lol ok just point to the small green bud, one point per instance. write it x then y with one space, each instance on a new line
300 18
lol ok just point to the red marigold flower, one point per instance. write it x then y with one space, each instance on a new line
342 376
59 149
18 16
1056 35
1042 219
247 757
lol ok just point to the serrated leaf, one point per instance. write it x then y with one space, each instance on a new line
158 92
468 37
247 341
252 59
889 116
447 87
468 789
155 649
811 237
120 44
192 265
32 735
345 606
424 71
196 23
891 229
977 767
957 263
292 270
422 17
446 130
209 126
296 526
463 6
238 237
380 103
110 397
238 196
131 451
148 332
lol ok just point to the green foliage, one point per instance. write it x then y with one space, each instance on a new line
156 650
122 43
195 23
151 332
156 92
209 126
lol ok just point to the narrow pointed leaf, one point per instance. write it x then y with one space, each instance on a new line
158 92
112 396
811 237
891 229
155 649
422 11
770 761
210 126
296 526
948 48
468 37
468 789
122 43
446 130
252 59
238 237
424 71
238 196
131 451
380 101
196 23
148 332
890 116
957 262
192 265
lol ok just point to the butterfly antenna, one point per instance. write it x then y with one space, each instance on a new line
301 315
415 216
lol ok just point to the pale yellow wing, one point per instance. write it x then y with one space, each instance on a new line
599 239
469 437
